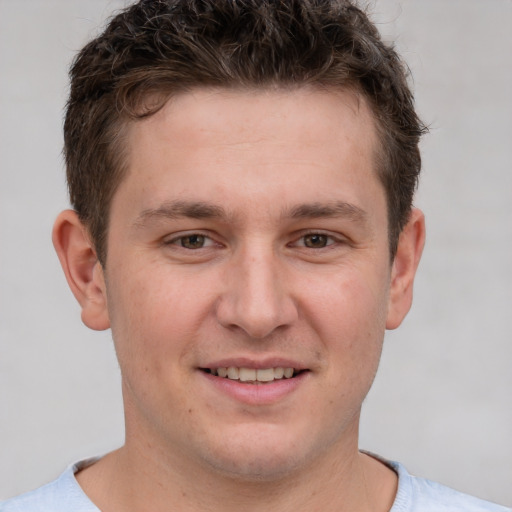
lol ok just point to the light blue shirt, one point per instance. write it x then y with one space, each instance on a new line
413 495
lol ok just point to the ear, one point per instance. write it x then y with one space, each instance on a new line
405 263
83 271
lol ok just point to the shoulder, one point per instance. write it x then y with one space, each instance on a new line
421 495
62 495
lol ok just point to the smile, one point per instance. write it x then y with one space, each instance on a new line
253 375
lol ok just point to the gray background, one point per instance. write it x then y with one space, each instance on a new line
442 399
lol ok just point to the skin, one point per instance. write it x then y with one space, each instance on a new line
251 230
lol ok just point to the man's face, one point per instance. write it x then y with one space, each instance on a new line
249 237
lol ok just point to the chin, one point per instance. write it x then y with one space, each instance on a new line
256 467
260 457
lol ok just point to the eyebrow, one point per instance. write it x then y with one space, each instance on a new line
204 210
180 209
331 209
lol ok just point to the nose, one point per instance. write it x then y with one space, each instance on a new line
256 298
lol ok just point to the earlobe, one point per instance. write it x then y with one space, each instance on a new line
405 264
83 271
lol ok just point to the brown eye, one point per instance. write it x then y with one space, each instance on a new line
316 241
192 241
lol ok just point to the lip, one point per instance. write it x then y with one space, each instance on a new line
244 362
255 394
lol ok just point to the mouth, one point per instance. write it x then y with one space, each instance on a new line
254 375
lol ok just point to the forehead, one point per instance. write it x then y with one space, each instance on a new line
310 110
212 143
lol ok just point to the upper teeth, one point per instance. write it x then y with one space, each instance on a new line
253 374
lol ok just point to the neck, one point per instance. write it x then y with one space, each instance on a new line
136 477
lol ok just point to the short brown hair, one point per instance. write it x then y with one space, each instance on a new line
157 48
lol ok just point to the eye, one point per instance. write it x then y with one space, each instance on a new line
316 241
192 241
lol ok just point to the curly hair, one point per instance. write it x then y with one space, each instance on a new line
157 48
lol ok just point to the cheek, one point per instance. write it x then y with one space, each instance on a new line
152 317
349 314
351 303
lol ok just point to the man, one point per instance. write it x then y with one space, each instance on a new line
242 176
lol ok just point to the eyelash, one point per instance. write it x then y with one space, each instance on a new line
176 241
330 240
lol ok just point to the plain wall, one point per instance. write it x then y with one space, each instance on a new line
441 403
